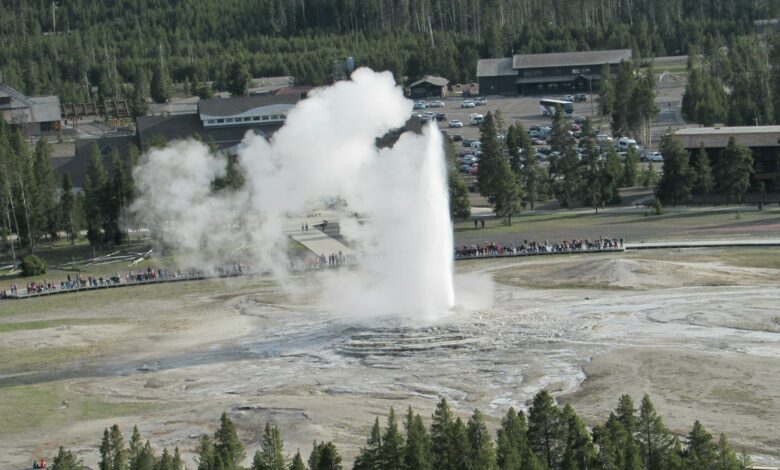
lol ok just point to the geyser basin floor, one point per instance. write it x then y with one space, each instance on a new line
699 336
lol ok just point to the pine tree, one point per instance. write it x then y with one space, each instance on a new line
238 79
227 446
727 458
325 456
68 208
733 170
700 452
418 452
147 460
512 439
677 178
460 204
441 437
166 461
593 174
481 453
297 462
118 450
272 455
370 457
579 453
134 449
159 87
655 441
629 176
626 413
703 181
66 460
45 181
178 464
94 191
205 454
392 453
545 429
106 462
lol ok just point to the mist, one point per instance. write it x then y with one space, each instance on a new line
326 150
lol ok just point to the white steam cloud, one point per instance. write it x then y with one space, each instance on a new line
327 149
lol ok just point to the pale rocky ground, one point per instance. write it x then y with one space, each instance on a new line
700 336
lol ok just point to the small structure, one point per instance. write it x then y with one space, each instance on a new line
560 72
429 86
763 141
34 115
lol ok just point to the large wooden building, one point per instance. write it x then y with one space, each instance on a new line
538 74
34 115
763 141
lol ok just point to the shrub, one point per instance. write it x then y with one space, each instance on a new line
33 266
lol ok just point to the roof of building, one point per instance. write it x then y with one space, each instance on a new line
183 126
77 166
432 80
301 90
563 59
234 106
495 67
555 78
31 109
718 137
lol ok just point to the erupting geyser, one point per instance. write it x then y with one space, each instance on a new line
327 149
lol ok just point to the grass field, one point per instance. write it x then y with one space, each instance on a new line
633 225
28 407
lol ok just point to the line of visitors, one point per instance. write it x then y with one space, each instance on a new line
81 281
492 249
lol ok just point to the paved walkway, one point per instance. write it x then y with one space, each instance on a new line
704 244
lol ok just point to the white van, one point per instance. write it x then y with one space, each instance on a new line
624 143
476 119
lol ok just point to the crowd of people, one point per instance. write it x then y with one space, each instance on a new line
492 249
332 260
81 281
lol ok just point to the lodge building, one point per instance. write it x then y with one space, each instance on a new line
538 74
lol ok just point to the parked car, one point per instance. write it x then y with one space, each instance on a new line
474 169
467 142
650 156
580 97
624 143
481 101
436 104
440 117
420 105
568 98
476 119
465 168
538 141
534 128
604 137
457 137
575 127
467 104
580 120
455 123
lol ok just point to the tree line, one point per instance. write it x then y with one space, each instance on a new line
735 82
84 50
34 205
691 173
548 437
511 175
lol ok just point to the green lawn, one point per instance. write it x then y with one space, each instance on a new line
29 407
673 224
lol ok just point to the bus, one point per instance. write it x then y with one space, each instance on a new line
548 107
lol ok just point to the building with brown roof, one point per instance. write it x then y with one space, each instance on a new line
34 115
763 141
536 74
